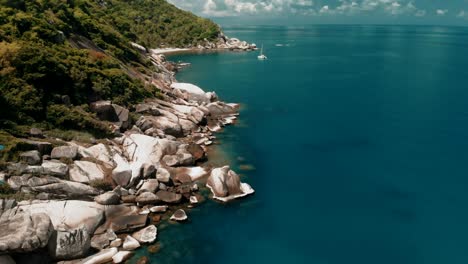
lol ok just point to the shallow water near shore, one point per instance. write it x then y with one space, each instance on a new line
355 139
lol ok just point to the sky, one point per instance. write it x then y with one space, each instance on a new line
431 12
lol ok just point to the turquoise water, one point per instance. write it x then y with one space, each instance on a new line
359 139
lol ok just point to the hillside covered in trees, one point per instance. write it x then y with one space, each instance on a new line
47 80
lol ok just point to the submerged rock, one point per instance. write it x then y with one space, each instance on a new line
179 215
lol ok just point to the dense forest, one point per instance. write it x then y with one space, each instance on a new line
48 82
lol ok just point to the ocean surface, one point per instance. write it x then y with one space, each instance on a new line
355 139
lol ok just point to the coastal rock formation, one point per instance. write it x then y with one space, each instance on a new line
107 111
51 185
152 162
169 197
99 152
130 243
159 209
150 185
108 198
147 198
23 231
72 214
103 256
163 175
146 235
86 171
193 92
121 256
43 147
122 175
32 157
55 168
67 152
179 215
103 240
122 218
69 244
225 185
195 173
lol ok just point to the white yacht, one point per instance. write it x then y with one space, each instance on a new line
262 56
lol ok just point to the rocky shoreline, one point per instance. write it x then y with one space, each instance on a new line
97 202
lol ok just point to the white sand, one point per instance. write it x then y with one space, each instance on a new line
167 50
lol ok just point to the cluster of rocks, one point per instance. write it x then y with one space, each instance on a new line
224 42
154 167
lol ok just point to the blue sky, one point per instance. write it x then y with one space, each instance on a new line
330 11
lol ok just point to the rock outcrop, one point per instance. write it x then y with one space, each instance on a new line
130 243
146 235
68 152
108 198
86 171
179 215
169 197
72 214
69 244
32 157
225 185
107 111
51 185
104 256
157 161
24 231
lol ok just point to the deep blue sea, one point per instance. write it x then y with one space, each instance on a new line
355 139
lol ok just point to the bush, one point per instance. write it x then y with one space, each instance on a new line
5 188
101 185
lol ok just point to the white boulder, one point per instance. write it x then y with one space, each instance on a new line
86 171
225 185
103 256
130 243
146 235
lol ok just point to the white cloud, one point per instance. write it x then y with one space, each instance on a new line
324 10
390 7
219 8
462 14
210 8
441 12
